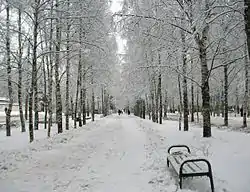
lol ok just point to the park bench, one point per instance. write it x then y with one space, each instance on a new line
187 165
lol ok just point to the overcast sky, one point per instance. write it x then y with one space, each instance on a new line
117 6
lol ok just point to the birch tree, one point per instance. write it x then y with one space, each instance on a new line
8 64
20 99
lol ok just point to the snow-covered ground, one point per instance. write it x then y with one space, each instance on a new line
120 153
234 122
22 139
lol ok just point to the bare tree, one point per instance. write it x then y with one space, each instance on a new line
57 79
245 106
50 71
9 108
92 97
67 68
202 42
247 30
20 69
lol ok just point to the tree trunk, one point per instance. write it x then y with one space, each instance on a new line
222 103
57 78
77 93
150 111
26 104
147 104
50 73
80 106
67 72
197 104
180 106
34 63
10 91
50 82
192 99
84 103
27 87
185 94
160 98
45 102
31 131
33 88
80 77
102 100
225 95
245 106
156 102
205 84
45 93
237 108
93 98
72 109
165 105
202 45
143 109
20 103
87 107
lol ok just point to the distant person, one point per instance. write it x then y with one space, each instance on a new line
128 112
119 112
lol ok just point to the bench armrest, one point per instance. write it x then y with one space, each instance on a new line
178 146
196 160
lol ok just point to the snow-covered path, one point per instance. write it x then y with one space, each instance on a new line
108 155
121 153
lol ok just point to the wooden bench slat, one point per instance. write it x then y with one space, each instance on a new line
187 168
200 168
176 161
175 164
191 167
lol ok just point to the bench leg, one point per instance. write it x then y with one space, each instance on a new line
167 162
211 182
180 182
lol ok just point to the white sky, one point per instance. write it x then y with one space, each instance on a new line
120 101
116 5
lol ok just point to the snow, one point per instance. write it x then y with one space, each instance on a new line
120 153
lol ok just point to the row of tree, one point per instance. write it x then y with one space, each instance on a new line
62 50
179 49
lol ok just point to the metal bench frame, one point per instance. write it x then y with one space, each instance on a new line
183 175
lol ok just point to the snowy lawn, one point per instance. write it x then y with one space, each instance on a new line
120 153
22 139
234 123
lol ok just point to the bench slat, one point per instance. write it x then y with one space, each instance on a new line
187 168
176 161
195 163
199 167
191 167
175 164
